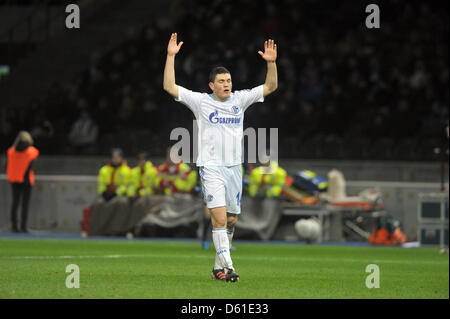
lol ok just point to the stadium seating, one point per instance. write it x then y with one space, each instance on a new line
343 94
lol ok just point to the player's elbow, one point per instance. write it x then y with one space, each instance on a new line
168 88
172 90
270 88
274 87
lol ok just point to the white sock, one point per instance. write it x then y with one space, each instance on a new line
217 264
223 257
230 236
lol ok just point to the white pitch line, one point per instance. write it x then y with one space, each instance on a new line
263 258
61 257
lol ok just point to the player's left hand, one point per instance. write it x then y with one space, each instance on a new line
270 51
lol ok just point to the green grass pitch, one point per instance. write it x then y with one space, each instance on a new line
36 268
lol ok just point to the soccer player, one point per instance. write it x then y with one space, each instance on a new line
220 117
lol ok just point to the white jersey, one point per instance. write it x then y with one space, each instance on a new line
220 124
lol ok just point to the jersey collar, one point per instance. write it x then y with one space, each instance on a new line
214 98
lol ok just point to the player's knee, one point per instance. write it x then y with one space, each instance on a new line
219 217
219 223
231 221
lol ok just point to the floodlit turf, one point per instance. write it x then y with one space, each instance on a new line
36 268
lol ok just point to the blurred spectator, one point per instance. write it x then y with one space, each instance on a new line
83 134
338 79
387 232
21 177
114 177
269 178
109 213
42 131
42 128
142 177
139 191
174 176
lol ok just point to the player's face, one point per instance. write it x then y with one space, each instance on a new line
222 86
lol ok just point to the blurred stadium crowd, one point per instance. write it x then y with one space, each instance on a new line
345 91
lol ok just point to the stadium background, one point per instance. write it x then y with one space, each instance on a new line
346 92
372 103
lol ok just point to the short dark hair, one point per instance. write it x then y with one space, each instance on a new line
117 151
217 70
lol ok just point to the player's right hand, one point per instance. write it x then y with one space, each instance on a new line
270 51
173 47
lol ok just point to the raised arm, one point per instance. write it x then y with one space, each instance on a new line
169 71
270 55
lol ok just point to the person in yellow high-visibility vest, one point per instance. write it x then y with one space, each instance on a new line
270 176
114 177
142 176
110 211
174 176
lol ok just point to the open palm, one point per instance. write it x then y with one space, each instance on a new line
173 47
270 51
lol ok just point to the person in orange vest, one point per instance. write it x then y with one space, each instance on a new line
387 232
21 176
